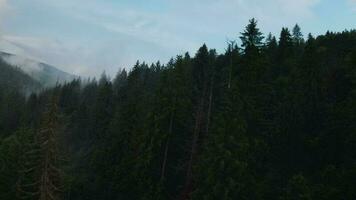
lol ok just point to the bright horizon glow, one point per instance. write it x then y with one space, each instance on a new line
87 37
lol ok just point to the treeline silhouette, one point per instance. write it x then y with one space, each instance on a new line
267 119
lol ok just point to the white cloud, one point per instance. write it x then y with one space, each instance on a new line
150 35
3 8
3 4
353 4
87 59
184 21
37 49
237 12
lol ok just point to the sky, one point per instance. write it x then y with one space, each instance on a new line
88 37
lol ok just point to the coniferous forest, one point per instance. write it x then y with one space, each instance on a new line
273 117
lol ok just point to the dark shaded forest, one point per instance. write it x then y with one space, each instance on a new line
272 118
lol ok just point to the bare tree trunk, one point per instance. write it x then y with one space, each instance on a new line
210 105
50 174
167 146
197 128
230 73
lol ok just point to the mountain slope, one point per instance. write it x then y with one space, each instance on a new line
14 79
46 74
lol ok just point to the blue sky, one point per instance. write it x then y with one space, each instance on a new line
87 37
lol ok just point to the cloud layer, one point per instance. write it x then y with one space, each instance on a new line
3 8
89 36
3 4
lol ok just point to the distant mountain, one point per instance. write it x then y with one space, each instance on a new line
14 79
45 74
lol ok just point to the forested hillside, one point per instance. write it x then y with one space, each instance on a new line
268 119
14 86
46 75
13 78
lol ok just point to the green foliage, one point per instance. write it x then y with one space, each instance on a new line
252 37
223 169
297 35
298 189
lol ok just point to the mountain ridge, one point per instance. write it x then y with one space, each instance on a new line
46 74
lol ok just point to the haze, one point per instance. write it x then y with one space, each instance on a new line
87 37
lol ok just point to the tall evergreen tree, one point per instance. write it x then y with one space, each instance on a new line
297 35
223 168
41 176
285 43
252 37
285 53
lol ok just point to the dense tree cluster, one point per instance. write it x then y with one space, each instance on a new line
270 119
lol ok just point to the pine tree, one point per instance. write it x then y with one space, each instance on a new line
271 51
223 167
285 42
203 76
103 107
120 81
297 35
285 53
28 183
251 38
232 53
40 174
271 45
12 149
253 66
